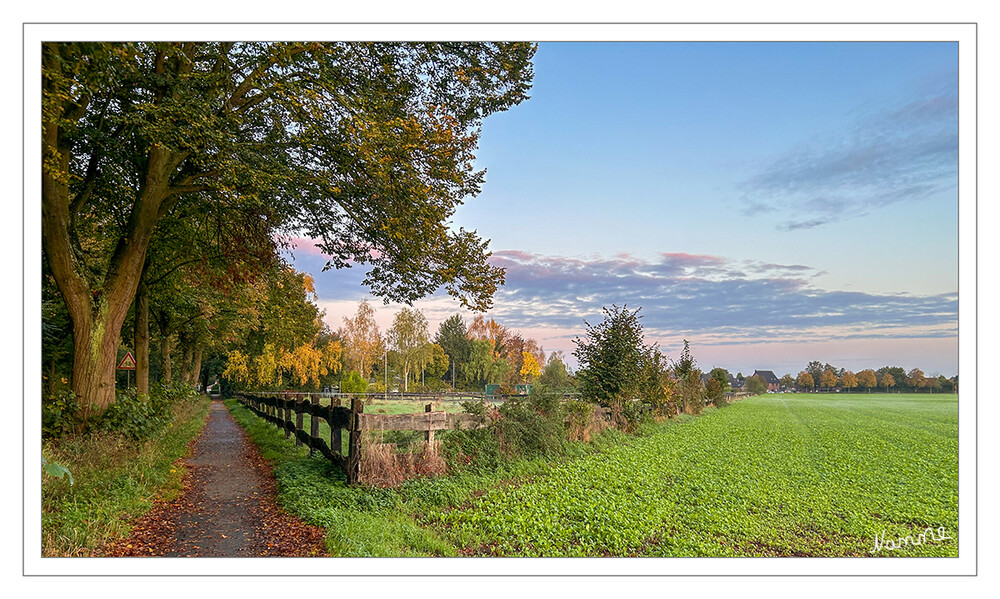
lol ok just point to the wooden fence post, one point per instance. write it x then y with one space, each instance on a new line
313 421
336 441
298 417
354 442
430 434
286 416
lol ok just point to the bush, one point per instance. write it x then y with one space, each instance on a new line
353 383
59 413
521 427
135 416
584 420
525 429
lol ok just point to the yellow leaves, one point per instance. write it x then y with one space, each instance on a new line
530 366
237 368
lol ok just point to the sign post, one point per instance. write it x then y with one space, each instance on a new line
127 364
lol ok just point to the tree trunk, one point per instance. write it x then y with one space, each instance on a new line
95 353
185 365
142 338
165 353
97 304
195 375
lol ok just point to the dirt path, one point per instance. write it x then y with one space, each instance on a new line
227 508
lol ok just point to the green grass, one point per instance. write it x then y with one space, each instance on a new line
116 480
775 475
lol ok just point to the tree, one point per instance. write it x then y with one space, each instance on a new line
452 336
722 376
756 385
887 380
867 379
689 381
367 148
804 380
610 357
283 336
407 336
828 379
363 340
529 367
787 381
915 379
556 376
897 372
484 367
656 387
815 370
434 362
848 381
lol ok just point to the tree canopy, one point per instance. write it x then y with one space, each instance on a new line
366 147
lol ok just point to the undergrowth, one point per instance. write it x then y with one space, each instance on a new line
117 474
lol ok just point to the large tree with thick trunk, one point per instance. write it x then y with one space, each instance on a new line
367 148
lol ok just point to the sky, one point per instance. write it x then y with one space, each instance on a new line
771 202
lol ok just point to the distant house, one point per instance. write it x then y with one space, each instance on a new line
773 383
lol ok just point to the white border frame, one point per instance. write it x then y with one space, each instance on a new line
965 564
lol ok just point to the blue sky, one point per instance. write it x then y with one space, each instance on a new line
774 203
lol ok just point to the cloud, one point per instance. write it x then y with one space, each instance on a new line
903 153
680 293
722 301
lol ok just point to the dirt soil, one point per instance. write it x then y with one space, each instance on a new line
227 507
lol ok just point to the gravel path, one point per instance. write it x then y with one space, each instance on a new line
227 507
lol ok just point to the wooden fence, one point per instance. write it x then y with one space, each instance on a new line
287 412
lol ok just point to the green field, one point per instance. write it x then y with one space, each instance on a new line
774 475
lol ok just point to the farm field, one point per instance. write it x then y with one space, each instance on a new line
774 475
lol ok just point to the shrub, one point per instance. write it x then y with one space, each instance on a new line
526 430
59 413
584 420
353 383
136 417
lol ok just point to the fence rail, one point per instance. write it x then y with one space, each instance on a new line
279 410
287 411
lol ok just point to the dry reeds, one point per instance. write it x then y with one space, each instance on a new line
583 426
384 465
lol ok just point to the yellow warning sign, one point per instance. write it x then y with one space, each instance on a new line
127 363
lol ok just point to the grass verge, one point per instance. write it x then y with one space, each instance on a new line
392 522
116 481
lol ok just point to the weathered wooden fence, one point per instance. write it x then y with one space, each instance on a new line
287 412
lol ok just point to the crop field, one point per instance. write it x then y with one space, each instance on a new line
775 475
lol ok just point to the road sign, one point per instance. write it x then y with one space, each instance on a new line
127 363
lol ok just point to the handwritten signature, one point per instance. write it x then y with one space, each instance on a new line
928 535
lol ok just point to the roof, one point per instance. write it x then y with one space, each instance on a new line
767 375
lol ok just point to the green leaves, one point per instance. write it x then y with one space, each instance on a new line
56 470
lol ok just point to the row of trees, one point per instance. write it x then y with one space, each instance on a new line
170 171
461 355
889 378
